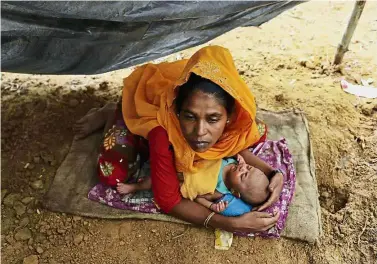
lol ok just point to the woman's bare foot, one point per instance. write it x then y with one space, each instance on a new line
124 188
93 120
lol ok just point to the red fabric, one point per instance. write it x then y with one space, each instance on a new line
119 170
118 159
165 184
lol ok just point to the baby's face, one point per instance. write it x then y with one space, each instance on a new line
241 176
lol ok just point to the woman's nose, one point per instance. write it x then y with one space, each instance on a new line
201 129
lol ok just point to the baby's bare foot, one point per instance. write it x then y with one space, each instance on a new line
124 188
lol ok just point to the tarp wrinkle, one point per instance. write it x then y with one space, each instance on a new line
88 37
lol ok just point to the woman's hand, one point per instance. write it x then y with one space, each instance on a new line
275 187
255 222
240 159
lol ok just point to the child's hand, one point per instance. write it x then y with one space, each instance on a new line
219 207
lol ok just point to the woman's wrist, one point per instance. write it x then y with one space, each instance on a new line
223 222
232 223
273 173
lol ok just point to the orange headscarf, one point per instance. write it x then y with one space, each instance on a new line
147 102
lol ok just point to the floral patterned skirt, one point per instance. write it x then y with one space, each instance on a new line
122 153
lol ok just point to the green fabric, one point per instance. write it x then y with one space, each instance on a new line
220 187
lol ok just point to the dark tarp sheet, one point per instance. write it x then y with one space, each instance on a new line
90 37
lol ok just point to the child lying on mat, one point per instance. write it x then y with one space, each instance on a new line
239 188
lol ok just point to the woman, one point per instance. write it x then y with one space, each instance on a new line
193 113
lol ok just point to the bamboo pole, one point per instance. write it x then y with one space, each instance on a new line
352 23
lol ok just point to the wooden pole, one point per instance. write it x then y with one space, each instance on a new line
352 23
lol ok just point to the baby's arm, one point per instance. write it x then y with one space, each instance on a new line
207 201
204 202
212 196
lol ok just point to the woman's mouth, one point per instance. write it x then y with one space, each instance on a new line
199 145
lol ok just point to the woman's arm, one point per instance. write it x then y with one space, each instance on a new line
256 162
195 213
165 186
250 223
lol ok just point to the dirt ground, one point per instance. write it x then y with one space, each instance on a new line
286 63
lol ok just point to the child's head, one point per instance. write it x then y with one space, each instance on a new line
250 182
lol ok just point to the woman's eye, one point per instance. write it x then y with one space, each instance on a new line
189 117
213 120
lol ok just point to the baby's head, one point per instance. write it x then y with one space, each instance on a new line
250 182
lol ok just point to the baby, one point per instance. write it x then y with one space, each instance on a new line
237 179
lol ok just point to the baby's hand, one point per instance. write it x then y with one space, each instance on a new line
219 207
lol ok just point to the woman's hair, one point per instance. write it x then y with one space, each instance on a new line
198 83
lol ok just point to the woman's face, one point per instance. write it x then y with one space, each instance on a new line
202 119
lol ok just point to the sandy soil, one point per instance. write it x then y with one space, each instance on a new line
286 63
